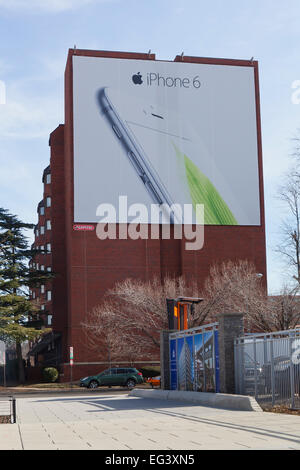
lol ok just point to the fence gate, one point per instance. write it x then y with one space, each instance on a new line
267 366
8 410
194 359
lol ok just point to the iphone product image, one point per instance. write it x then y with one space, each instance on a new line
170 160
145 139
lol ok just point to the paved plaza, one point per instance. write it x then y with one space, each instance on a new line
120 422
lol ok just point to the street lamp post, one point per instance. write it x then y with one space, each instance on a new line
258 276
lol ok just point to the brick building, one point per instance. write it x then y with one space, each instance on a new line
86 267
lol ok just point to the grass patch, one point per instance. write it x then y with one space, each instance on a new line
4 419
43 385
281 409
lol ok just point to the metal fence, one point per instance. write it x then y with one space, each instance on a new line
194 359
267 366
8 409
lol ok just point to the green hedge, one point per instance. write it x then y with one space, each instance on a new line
50 374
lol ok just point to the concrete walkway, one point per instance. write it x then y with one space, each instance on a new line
119 422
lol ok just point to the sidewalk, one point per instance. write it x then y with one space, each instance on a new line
119 422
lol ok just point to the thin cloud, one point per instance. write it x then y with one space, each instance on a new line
28 116
46 5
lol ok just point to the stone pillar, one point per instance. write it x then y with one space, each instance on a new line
231 326
165 359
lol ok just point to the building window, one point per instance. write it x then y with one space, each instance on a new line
42 210
37 232
48 295
48 224
33 295
42 307
49 319
48 247
42 289
49 269
37 266
48 201
42 248
42 229
42 267
48 178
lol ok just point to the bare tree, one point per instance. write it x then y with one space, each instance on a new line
127 324
237 287
289 247
129 321
102 332
135 311
284 309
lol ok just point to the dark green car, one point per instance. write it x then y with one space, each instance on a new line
125 377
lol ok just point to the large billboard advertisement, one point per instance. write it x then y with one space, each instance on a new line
158 134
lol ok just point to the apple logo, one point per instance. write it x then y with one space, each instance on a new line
137 79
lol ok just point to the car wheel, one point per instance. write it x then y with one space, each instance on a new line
130 383
93 384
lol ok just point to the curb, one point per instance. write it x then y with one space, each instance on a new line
214 400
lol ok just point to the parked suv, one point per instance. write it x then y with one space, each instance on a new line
126 377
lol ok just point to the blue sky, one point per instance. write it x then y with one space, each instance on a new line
34 39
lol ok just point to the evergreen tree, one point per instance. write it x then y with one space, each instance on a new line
16 277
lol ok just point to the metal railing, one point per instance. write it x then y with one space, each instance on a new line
267 366
8 409
194 331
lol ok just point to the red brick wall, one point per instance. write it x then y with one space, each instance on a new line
86 267
59 261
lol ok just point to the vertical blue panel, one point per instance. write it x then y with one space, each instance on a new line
189 363
199 363
209 362
181 371
217 364
173 365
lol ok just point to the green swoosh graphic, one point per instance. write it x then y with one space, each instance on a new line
202 191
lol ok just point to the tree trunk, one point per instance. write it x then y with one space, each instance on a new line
21 370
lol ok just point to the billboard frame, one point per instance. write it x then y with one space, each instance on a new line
69 123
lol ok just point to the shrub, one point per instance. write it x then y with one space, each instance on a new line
50 374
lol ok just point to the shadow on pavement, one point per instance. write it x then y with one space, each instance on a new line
164 408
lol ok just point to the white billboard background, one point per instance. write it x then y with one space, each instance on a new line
194 124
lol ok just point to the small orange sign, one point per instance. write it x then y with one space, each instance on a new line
83 227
